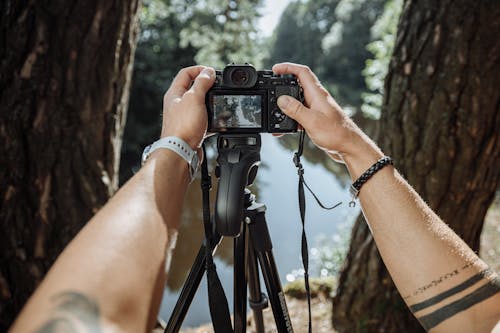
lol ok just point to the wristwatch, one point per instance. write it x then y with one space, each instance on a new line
180 147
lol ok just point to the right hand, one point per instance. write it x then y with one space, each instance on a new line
324 121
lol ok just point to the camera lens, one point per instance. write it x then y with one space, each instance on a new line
239 77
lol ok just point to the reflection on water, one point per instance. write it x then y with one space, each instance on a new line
276 186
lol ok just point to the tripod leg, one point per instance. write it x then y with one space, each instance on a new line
188 291
259 235
240 283
258 300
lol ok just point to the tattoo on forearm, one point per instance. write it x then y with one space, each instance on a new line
439 280
74 312
435 282
478 295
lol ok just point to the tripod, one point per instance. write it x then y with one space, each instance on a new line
244 219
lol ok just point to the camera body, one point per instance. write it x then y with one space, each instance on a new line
244 100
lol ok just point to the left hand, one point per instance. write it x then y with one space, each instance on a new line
184 111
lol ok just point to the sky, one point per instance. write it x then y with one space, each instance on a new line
271 13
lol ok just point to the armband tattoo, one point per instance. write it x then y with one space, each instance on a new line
485 291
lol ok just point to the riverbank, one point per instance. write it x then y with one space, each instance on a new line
297 307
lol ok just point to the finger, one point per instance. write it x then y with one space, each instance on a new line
295 110
304 73
308 80
182 81
202 83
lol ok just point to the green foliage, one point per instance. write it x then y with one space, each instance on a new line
344 50
300 31
223 31
330 36
176 34
384 35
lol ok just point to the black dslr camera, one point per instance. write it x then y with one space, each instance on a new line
243 100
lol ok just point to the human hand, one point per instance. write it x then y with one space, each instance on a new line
324 121
184 111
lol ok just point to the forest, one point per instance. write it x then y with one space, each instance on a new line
81 87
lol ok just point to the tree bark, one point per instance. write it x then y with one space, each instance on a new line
65 72
440 123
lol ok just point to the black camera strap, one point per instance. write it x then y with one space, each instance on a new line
302 208
219 308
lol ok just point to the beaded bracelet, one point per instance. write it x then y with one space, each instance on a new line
356 186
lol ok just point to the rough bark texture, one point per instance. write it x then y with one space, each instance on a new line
65 68
441 123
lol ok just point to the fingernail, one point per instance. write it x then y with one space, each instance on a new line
283 101
208 72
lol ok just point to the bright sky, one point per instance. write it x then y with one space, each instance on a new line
271 12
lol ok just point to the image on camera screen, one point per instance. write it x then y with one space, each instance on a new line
237 111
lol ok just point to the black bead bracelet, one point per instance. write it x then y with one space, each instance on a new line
356 186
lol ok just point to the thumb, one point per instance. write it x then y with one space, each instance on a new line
203 82
294 109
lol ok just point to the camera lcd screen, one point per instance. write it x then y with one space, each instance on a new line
237 111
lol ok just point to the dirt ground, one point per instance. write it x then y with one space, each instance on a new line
321 317
321 305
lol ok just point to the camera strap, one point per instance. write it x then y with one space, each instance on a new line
302 208
219 308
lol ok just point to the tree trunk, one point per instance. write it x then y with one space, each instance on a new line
65 72
440 123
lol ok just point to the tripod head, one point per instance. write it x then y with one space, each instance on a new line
238 160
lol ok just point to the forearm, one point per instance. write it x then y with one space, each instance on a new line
423 255
118 260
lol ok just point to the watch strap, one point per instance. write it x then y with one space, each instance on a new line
177 145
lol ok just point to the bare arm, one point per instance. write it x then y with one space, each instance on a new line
444 283
111 276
